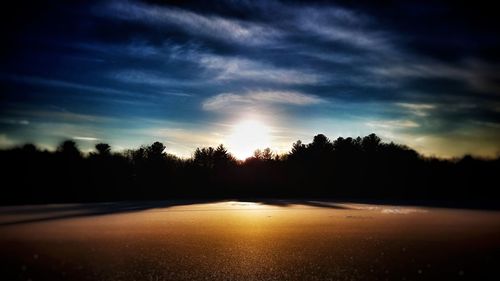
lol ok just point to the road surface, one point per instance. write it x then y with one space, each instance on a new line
231 240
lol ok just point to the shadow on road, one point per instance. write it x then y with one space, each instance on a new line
41 213
15 215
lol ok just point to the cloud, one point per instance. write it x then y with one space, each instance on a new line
477 75
148 78
341 25
393 124
65 84
92 139
212 26
231 68
64 116
134 48
256 98
15 121
419 109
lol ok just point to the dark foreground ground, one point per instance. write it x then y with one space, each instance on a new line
230 240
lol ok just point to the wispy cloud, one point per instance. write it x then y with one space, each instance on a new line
92 139
212 26
260 98
10 121
151 79
64 116
419 109
477 75
393 124
231 68
66 84
134 48
341 25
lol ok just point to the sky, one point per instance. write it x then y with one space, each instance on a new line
253 73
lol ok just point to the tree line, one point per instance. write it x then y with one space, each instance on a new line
345 168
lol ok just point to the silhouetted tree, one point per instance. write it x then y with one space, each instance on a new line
347 167
69 149
155 151
263 155
103 149
29 148
370 143
298 151
321 142
222 158
209 157
204 157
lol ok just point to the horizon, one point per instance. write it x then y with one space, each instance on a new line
237 157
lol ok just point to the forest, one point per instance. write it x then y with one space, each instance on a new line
362 168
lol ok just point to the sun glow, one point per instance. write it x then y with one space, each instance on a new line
247 136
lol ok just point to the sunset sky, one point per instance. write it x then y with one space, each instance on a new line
250 74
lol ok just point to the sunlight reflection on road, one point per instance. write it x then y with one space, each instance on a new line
233 240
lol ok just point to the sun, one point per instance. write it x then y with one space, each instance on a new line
247 136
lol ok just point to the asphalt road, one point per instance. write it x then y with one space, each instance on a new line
266 240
